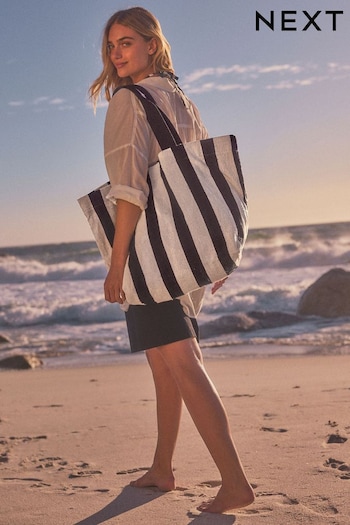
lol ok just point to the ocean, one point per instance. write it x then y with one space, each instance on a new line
52 303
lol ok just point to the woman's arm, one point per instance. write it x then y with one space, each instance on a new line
125 223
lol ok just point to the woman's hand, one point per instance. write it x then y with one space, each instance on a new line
218 285
113 286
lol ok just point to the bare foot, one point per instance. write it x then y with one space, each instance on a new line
154 478
228 499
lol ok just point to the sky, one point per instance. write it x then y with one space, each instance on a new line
283 93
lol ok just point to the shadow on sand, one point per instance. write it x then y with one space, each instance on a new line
131 498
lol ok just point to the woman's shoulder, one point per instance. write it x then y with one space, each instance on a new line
120 96
123 102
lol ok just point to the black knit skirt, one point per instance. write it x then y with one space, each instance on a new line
158 324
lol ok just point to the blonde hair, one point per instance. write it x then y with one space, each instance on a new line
147 25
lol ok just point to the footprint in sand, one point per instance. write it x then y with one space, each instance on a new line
52 462
47 406
210 484
24 479
266 502
132 471
84 473
272 429
25 439
83 470
236 396
80 469
319 505
269 415
4 457
82 488
4 453
10 442
40 485
242 395
342 468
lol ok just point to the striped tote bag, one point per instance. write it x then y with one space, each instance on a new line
196 222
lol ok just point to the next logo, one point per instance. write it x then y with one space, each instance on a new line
288 20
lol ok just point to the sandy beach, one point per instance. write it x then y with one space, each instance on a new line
73 438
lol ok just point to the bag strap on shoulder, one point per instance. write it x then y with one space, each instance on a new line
162 127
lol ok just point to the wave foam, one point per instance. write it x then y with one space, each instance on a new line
17 270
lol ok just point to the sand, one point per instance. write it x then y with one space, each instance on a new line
72 440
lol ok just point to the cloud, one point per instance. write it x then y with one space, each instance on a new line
57 101
239 77
199 73
335 67
43 103
230 87
40 100
283 84
16 103
280 68
273 76
242 70
298 82
212 86
310 80
339 71
52 101
252 70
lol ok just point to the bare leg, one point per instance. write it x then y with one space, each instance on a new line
207 411
169 405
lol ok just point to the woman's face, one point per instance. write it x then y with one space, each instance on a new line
130 53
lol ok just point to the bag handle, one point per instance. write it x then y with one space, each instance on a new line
163 129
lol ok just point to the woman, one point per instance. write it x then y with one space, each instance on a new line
134 51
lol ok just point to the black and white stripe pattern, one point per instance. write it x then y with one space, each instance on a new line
195 225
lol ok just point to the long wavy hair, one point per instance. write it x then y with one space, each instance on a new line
147 25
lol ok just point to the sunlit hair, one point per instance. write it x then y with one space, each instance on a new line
144 23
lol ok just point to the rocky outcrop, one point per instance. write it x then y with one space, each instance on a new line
329 296
246 322
20 362
4 339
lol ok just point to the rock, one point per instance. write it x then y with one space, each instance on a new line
226 324
246 322
21 362
329 296
273 319
4 339
336 438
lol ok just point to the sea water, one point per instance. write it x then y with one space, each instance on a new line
52 302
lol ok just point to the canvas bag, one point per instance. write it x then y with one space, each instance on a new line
195 225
